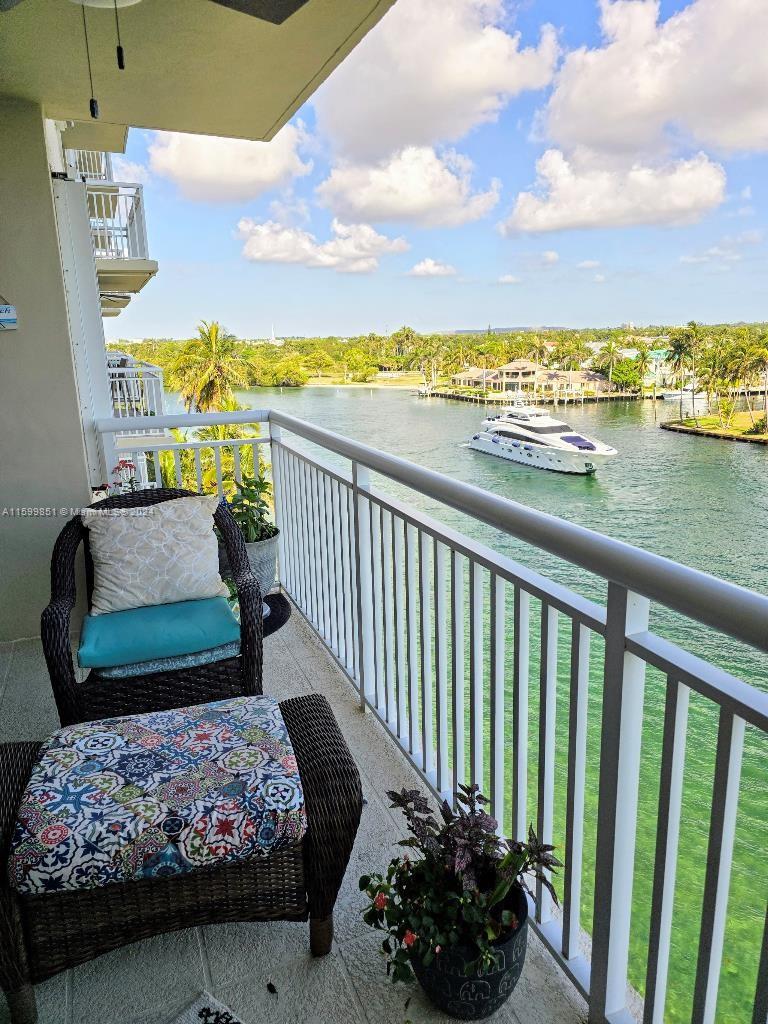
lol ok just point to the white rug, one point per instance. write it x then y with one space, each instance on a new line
206 1010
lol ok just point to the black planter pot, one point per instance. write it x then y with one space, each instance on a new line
476 996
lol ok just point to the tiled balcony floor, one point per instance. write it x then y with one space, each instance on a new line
151 981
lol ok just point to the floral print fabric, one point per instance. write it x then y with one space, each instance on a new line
157 795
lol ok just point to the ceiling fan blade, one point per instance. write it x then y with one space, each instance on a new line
275 11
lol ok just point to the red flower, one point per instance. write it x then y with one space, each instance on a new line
409 938
381 900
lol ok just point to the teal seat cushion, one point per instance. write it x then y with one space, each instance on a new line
156 632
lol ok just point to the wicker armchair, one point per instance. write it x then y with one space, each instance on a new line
96 698
42 935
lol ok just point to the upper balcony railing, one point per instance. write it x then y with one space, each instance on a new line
136 390
118 227
483 670
89 164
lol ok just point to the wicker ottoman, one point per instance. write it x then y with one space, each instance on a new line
43 934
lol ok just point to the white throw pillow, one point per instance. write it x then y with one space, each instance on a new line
155 554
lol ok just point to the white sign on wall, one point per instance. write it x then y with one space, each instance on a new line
8 320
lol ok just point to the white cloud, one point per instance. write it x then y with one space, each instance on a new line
550 257
701 75
129 170
509 279
415 184
429 72
746 192
582 192
432 268
354 248
588 264
218 170
727 251
599 278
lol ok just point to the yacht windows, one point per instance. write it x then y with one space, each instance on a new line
553 428
515 436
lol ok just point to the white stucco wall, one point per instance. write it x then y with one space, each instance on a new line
42 459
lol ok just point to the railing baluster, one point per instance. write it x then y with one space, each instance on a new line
177 467
410 622
314 521
365 661
398 585
476 673
323 559
457 668
667 836
217 464
237 474
574 811
292 520
198 469
547 712
378 627
388 611
278 495
498 752
722 829
347 586
760 1009
441 672
306 541
425 650
621 733
351 505
336 559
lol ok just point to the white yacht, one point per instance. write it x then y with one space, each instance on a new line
533 437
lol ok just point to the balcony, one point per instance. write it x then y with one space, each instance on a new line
150 982
568 708
119 234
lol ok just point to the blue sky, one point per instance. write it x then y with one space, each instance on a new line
472 162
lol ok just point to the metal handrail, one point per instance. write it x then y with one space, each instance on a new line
726 607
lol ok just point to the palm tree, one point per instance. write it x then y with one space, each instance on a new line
610 353
248 461
694 331
209 368
537 351
678 356
760 362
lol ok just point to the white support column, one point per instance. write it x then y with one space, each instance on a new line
623 692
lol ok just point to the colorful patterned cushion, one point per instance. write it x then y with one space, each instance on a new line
156 795
155 632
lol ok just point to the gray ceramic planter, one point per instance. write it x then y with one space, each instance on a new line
262 554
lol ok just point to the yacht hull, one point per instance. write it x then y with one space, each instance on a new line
578 463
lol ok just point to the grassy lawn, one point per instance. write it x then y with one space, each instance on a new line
740 423
401 380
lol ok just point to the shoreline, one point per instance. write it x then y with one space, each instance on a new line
720 435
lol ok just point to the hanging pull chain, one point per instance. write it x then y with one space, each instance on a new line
120 53
94 104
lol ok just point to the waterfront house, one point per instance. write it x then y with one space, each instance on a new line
444 660
519 375
476 377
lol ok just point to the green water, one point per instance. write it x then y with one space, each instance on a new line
699 501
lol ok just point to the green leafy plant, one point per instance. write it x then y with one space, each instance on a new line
457 890
250 508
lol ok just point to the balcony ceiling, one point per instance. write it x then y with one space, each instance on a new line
191 65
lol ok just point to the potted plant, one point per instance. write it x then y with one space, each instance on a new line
456 915
250 510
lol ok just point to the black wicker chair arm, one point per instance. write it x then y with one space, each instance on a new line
332 794
249 596
55 622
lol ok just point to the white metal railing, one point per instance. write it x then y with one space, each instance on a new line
118 227
90 164
136 390
438 633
